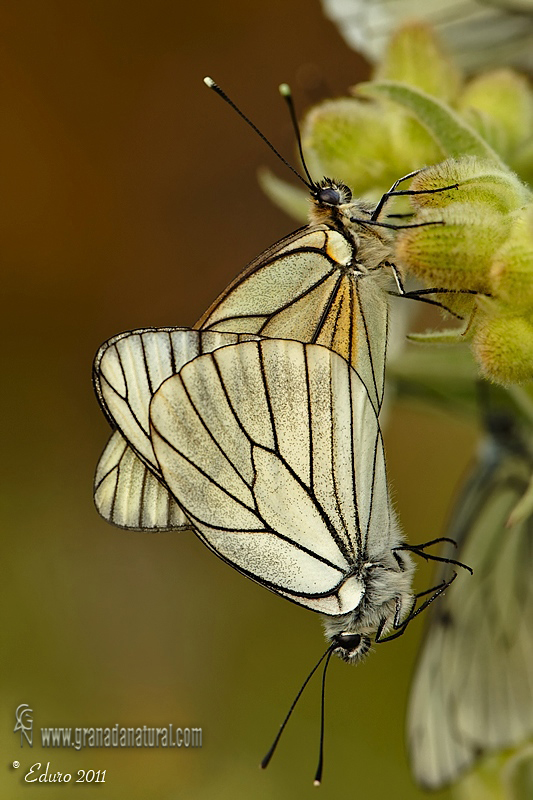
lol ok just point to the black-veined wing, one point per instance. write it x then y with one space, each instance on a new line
128 369
473 688
274 451
318 285
128 494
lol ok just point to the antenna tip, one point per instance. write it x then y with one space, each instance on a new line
285 90
209 82
316 783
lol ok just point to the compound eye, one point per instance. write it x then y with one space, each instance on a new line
351 647
332 197
348 641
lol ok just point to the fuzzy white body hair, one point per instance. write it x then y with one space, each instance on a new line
373 244
387 578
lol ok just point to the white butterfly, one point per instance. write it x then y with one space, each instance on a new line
273 450
128 369
322 284
473 689
325 283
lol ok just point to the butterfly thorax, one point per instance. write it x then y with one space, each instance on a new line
332 206
387 598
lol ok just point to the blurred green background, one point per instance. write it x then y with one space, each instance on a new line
130 199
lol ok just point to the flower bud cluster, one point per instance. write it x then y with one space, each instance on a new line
485 244
369 141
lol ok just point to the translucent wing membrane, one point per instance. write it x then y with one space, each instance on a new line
309 287
129 495
274 452
128 369
473 687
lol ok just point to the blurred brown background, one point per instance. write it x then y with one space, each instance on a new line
130 199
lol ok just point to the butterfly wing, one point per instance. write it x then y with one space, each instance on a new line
128 369
128 494
274 452
308 287
473 688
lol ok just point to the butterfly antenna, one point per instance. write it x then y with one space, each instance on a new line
318 775
265 762
285 92
210 83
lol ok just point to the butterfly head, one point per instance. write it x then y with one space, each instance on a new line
351 647
330 193
333 206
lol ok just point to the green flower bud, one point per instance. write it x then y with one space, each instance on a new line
414 44
457 254
366 144
479 181
511 275
449 130
503 346
499 104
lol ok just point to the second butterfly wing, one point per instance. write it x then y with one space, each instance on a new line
128 369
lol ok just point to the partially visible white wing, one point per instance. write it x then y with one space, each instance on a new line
128 369
127 494
473 689
274 451
478 33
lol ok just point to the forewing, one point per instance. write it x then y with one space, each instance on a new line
128 369
473 689
262 461
308 287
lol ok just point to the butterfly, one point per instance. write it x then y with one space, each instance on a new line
473 687
325 284
308 287
272 449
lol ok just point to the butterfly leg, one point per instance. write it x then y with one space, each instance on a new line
399 625
420 294
402 192
419 550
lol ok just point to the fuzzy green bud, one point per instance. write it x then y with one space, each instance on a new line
499 104
413 44
503 346
369 144
511 275
458 253
478 181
